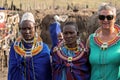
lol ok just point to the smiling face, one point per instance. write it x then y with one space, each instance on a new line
27 29
109 18
70 34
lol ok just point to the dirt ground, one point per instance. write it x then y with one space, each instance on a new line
3 74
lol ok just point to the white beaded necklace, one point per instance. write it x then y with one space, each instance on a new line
31 41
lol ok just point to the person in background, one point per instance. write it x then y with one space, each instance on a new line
55 31
104 45
70 57
29 56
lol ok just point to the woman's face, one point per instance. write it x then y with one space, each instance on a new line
106 18
27 30
70 34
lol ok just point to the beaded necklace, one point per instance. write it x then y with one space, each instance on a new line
105 45
28 41
36 47
67 58
29 49
75 49
28 53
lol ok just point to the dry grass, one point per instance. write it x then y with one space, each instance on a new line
63 3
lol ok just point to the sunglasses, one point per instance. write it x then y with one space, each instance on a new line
109 17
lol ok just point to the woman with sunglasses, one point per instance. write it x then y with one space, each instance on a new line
104 46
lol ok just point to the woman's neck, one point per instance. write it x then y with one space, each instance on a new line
71 45
28 41
108 32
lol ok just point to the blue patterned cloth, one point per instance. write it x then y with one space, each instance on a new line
78 70
37 67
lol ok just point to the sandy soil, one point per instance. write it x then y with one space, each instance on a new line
3 74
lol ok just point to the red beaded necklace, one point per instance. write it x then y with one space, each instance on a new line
67 58
105 45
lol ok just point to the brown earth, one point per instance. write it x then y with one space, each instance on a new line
3 74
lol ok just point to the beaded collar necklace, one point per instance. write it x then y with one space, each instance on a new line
36 47
105 45
67 58
72 49
28 41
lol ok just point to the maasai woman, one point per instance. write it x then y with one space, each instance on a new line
70 58
29 57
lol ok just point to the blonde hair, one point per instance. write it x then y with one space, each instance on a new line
107 6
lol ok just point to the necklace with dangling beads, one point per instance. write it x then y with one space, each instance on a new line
28 43
105 45
61 54
35 49
28 50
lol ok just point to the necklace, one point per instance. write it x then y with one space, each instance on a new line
28 41
67 58
36 47
105 45
75 49
29 49
72 49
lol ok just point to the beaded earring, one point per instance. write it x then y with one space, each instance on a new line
19 33
36 34
78 41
